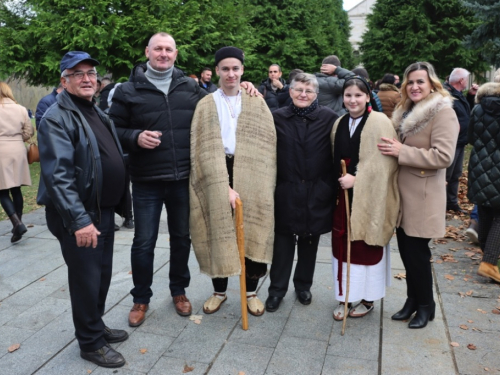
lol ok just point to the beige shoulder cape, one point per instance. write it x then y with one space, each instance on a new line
375 203
254 178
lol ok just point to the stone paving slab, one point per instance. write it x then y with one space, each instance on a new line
35 312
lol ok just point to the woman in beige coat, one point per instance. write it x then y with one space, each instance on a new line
428 129
15 129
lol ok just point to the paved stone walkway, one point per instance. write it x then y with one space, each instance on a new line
35 312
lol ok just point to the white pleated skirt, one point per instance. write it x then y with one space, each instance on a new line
367 282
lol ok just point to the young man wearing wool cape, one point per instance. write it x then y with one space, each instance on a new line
233 155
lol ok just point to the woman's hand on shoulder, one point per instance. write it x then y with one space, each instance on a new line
389 147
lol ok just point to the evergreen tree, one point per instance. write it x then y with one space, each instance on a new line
34 34
402 32
487 35
298 34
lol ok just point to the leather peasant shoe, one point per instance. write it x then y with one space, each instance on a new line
137 315
338 313
104 357
305 297
114 335
489 270
213 304
273 303
182 305
360 310
255 305
423 315
407 311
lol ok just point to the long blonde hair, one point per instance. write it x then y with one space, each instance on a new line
5 92
433 78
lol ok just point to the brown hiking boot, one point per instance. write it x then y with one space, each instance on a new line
489 270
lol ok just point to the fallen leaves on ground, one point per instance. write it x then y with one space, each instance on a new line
469 293
449 277
476 329
471 347
130 272
241 373
14 347
454 344
42 279
143 351
89 371
495 311
464 327
400 276
455 233
440 241
30 226
482 311
187 368
470 321
448 258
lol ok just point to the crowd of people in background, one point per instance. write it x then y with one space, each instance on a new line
315 153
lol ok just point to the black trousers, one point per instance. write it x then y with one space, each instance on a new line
14 205
89 276
416 257
489 233
453 174
281 268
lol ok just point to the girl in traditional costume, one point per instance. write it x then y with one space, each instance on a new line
371 183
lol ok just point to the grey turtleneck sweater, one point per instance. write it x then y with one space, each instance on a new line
161 80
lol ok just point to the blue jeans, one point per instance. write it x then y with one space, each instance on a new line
474 215
148 200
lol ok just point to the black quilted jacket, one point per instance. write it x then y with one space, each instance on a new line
138 105
484 136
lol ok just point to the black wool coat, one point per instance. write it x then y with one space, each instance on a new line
304 188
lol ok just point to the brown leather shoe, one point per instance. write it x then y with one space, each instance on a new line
137 315
182 305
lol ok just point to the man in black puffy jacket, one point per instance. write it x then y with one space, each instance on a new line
274 89
152 114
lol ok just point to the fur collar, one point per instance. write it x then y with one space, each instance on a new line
420 114
488 89
388 87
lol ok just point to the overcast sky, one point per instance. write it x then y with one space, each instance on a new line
348 4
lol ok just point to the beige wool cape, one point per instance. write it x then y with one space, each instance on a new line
375 203
254 178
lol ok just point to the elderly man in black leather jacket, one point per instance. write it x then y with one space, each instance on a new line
82 181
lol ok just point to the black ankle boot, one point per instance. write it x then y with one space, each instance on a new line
423 315
19 228
407 311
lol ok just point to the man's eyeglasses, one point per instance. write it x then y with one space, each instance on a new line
92 74
308 92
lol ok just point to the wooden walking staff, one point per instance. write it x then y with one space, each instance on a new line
348 212
240 239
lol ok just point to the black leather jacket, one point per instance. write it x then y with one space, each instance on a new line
70 162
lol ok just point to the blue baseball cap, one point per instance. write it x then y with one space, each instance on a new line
73 58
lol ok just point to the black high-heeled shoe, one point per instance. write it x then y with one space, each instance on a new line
423 315
407 311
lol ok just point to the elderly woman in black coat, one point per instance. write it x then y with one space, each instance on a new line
304 188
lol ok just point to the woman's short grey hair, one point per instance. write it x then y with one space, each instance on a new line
307 79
